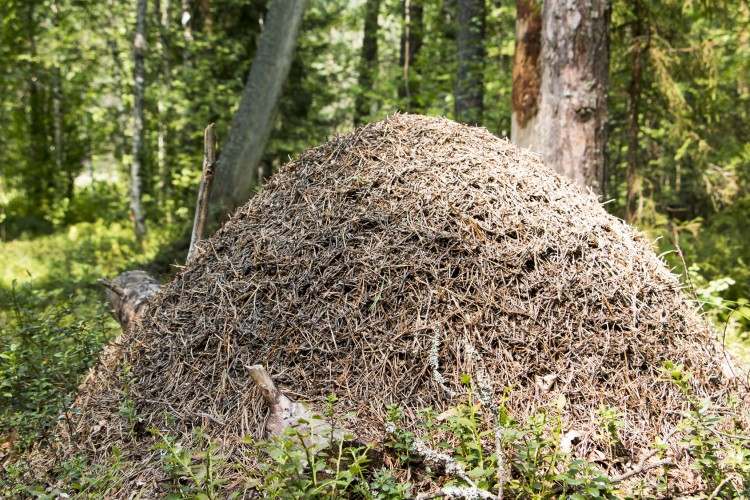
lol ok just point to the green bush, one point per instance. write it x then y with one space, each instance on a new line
46 346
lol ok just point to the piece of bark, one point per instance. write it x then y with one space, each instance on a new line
128 294
284 413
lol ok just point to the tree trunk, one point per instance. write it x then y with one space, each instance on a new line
38 143
469 92
187 33
252 123
139 55
207 22
122 117
633 182
527 74
368 63
57 119
57 99
411 42
163 17
448 14
573 104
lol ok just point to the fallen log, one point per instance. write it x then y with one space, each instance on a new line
128 295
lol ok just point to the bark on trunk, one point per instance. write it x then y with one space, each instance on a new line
469 92
139 55
368 62
527 74
253 121
411 43
633 182
573 105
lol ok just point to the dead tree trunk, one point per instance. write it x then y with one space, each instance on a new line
128 294
527 74
573 105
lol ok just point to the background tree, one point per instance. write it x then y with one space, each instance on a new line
527 74
253 122
411 43
470 60
139 56
368 65
574 86
638 48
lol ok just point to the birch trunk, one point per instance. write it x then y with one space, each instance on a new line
573 106
139 55
411 43
163 16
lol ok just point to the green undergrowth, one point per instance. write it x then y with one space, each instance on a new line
473 450
47 342
74 258
53 323
53 319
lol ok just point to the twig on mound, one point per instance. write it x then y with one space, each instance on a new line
453 468
204 191
284 413
719 487
435 363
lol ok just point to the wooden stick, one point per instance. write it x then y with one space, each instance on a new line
204 191
284 413
108 284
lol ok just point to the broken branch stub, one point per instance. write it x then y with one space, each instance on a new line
204 190
128 294
284 413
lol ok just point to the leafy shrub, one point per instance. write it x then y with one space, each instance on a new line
46 345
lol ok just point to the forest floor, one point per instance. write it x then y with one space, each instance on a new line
54 321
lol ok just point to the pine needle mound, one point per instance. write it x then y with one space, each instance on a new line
411 244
